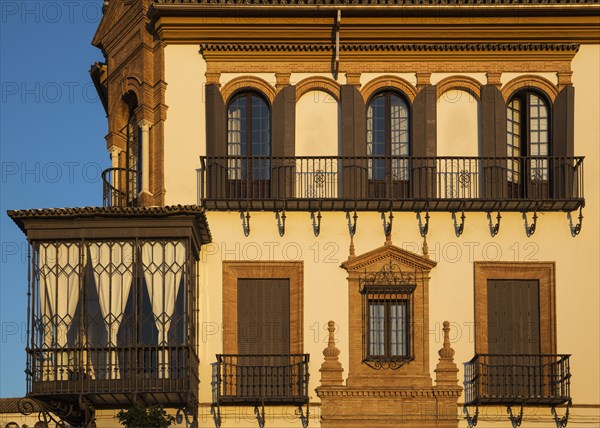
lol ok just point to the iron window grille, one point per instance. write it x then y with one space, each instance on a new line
387 312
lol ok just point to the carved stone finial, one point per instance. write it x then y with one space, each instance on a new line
446 372
331 369
352 252
331 351
446 351
425 247
388 239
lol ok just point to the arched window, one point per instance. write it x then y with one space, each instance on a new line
388 145
249 145
528 144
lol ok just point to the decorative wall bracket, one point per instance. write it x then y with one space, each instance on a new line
387 224
189 416
316 222
561 422
260 415
280 216
575 228
245 222
303 417
494 228
423 228
352 224
459 228
530 228
471 420
62 413
215 411
516 421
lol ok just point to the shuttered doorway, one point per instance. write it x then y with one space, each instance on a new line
264 369
514 338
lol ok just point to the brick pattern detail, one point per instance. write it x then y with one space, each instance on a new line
465 83
318 83
530 81
246 82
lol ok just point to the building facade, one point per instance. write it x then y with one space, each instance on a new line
317 211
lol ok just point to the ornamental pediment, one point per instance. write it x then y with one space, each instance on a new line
386 254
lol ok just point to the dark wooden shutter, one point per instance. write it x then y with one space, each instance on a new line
513 317
283 142
263 316
354 143
563 135
216 142
263 366
514 329
493 142
424 142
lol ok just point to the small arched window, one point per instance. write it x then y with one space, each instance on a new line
388 145
133 161
528 144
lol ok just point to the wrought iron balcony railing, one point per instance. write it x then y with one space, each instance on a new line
120 187
158 374
381 183
517 379
261 379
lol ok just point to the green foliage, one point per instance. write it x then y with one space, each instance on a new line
142 416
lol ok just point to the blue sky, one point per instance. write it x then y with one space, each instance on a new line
52 147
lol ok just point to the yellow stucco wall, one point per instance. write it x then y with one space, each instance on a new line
451 286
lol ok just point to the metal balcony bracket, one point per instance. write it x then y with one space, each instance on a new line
561 422
303 417
187 415
352 224
575 228
260 415
215 411
423 228
245 222
387 224
530 228
316 222
471 420
515 420
494 228
280 216
60 413
459 228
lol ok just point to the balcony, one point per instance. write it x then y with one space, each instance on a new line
120 187
109 376
517 380
379 183
112 309
256 380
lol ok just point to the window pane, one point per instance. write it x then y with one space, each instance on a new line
376 137
513 141
376 329
261 144
538 136
398 329
236 139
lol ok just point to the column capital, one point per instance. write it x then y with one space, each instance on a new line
145 125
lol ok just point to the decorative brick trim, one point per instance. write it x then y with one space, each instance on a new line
318 83
530 81
389 82
465 83
248 82
234 270
544 272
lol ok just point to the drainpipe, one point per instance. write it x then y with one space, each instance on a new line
337 41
